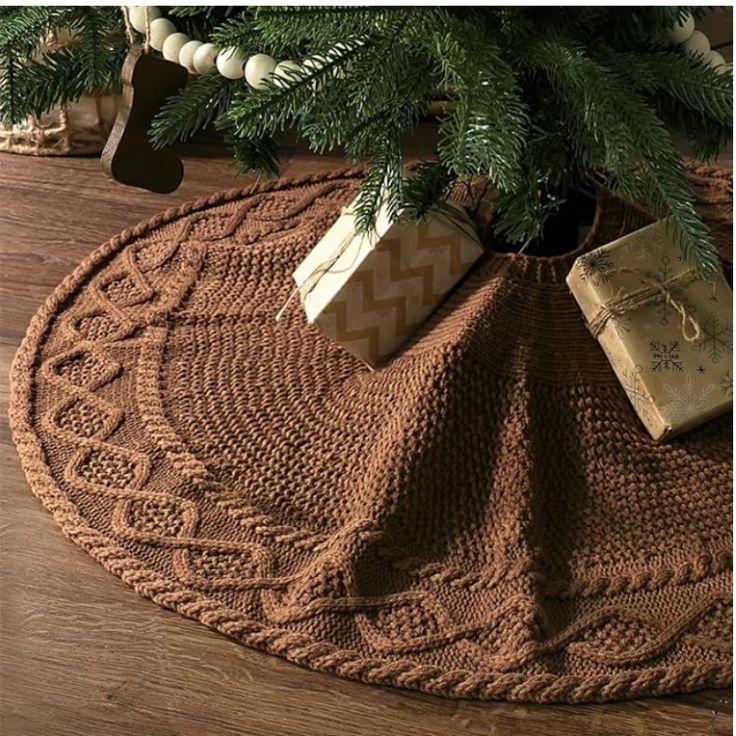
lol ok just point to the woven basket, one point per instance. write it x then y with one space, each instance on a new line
76 128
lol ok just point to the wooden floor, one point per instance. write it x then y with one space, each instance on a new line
83 655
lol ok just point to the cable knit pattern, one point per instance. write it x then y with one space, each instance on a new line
483 518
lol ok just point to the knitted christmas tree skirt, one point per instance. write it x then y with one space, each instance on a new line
483 518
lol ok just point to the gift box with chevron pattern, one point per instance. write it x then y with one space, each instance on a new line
371 292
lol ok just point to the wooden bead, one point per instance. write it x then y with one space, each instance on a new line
681 32
717 62
698 44
186 55
204 58
173 45
338 50
312 64
161 29
315 62
283 74
230 63
138 13
258 69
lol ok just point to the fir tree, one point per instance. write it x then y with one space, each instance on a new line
538 100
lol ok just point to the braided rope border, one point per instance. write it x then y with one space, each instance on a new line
298 648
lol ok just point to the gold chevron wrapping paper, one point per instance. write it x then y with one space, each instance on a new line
371 292
667 332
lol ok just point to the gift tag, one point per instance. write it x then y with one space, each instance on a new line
128 156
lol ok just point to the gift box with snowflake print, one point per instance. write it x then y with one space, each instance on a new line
666 330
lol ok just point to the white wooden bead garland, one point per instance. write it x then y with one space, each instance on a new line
681 32
284 71
259 69
695 43
138 13
160 30
173 44
717 60
204 58
230 63
186 55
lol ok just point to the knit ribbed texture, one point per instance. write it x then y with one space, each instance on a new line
483 518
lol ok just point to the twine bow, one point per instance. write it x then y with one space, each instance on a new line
652 289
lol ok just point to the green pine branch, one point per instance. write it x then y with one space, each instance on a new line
539 98
199 104
23 27
428 184
485 133
266 112
257 154
628 139
32 85
190 11
382 184
238 32
21 30
689 80
321 27
100 54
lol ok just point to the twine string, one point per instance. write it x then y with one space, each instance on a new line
442 210
147 38
310 283
130 31
652 290
129 26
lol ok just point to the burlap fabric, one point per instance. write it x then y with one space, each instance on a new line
483 518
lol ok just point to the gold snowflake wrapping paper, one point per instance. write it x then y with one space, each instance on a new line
673 379
371 292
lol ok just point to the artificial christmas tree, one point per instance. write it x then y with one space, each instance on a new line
536 99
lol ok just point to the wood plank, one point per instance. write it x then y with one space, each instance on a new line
87 654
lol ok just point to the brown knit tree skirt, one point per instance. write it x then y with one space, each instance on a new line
483 518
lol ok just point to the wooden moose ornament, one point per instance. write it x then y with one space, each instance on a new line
128 156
